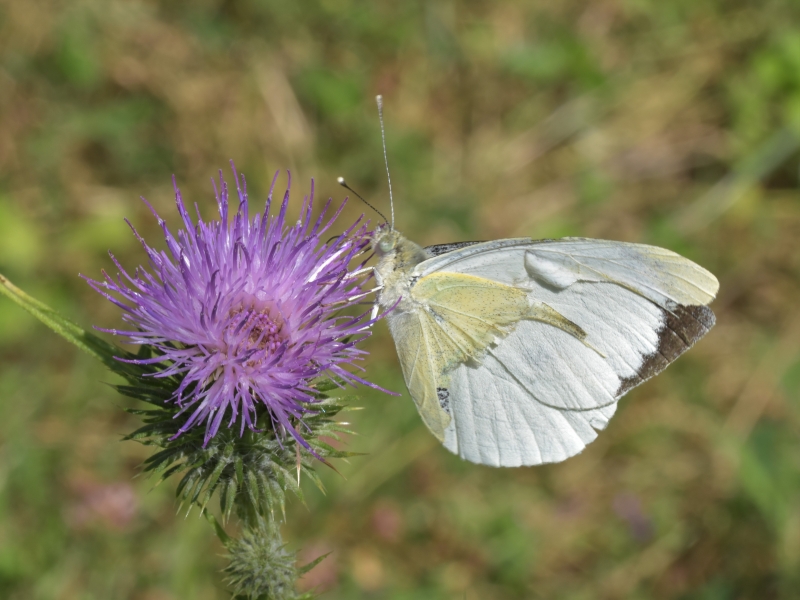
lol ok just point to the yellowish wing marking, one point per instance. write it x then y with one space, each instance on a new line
472 311
547 314
476 312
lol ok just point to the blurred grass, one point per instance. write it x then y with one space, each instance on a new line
674 123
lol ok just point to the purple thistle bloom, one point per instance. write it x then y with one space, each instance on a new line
245 310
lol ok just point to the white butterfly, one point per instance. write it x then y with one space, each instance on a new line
516 351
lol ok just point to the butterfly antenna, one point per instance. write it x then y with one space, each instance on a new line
343 183
379 100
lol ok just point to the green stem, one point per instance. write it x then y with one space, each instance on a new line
88 342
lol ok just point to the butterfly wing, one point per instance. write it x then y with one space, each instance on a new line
540 393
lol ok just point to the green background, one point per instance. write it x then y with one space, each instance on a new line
675 123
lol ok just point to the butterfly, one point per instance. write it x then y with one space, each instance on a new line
517 351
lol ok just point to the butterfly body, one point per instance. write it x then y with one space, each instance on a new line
517 351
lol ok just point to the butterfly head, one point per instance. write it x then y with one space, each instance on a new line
395 252
385 240
388 242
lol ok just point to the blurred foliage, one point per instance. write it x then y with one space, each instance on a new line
674 123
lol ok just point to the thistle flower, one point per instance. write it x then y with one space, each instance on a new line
245 311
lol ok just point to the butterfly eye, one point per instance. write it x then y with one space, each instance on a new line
386 245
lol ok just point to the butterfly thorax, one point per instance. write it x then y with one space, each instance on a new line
397 257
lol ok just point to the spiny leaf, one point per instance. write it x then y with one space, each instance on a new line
239 466
187 482
152 395
308 566
251 485
211 483
169 472
327 385
230 499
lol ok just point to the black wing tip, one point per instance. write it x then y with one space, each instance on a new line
683 327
